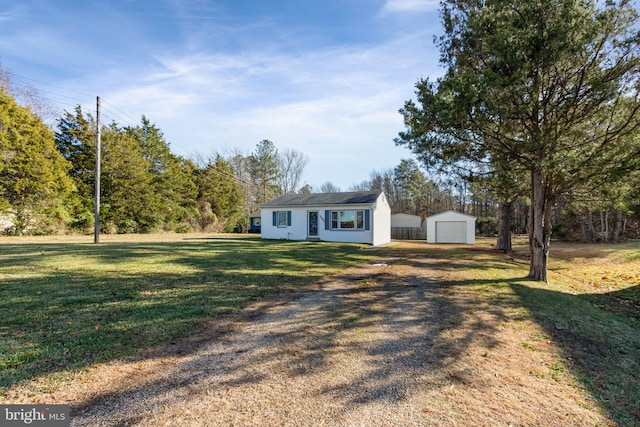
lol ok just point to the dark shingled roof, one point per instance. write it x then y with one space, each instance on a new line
324 199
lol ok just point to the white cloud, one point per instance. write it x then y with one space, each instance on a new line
398 6
231 83
338 105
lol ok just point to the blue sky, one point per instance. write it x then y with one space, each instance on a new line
324 77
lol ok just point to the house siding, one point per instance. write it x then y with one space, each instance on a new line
381 222
377 222
298 228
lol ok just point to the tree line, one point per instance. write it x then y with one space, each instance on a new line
539 105
47 183
47 178
477 161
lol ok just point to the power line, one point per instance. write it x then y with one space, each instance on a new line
231 175
96 238
12 74
107 110
120 111
63 100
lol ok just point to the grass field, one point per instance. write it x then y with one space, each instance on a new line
592 309
589 310
65 305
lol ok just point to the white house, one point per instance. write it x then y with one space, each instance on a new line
359 217
451 227
405 220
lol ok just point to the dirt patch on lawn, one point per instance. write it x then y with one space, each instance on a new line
389 343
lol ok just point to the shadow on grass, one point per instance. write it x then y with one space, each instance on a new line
421 326
408 328
628 298
601 343
67 306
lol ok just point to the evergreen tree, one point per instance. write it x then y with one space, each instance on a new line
221 197
33 177
129 202
263 165
410 182
75 139
172 177
128 199
550 86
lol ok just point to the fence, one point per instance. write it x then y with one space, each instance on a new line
408 233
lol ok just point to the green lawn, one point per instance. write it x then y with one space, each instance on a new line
67 305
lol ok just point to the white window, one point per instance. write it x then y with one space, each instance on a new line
282 218
347 220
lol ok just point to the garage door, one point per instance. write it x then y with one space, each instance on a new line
451 231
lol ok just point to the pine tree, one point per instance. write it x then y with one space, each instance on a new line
172 177
221 196
548 86
75 139
263 165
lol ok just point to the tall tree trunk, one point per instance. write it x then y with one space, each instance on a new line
504 227
583 228
539 235
592 228
604 226
617 228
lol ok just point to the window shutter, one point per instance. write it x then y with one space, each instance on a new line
367 219
288 218
275 218
327 220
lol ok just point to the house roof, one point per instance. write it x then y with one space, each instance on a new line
451 213
324 199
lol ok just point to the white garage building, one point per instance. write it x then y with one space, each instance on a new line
451 227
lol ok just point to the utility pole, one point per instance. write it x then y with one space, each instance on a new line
96 221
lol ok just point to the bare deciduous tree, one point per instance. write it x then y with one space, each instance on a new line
291 164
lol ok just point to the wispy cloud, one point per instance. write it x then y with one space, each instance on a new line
398 6
5 16
227 76
336 104
10 13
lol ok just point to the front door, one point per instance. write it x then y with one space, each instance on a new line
313 223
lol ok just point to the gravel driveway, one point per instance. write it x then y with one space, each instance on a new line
346 353
381 344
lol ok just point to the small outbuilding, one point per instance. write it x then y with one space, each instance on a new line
358 217
254 222
451 227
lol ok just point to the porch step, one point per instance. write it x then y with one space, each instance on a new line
313 239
